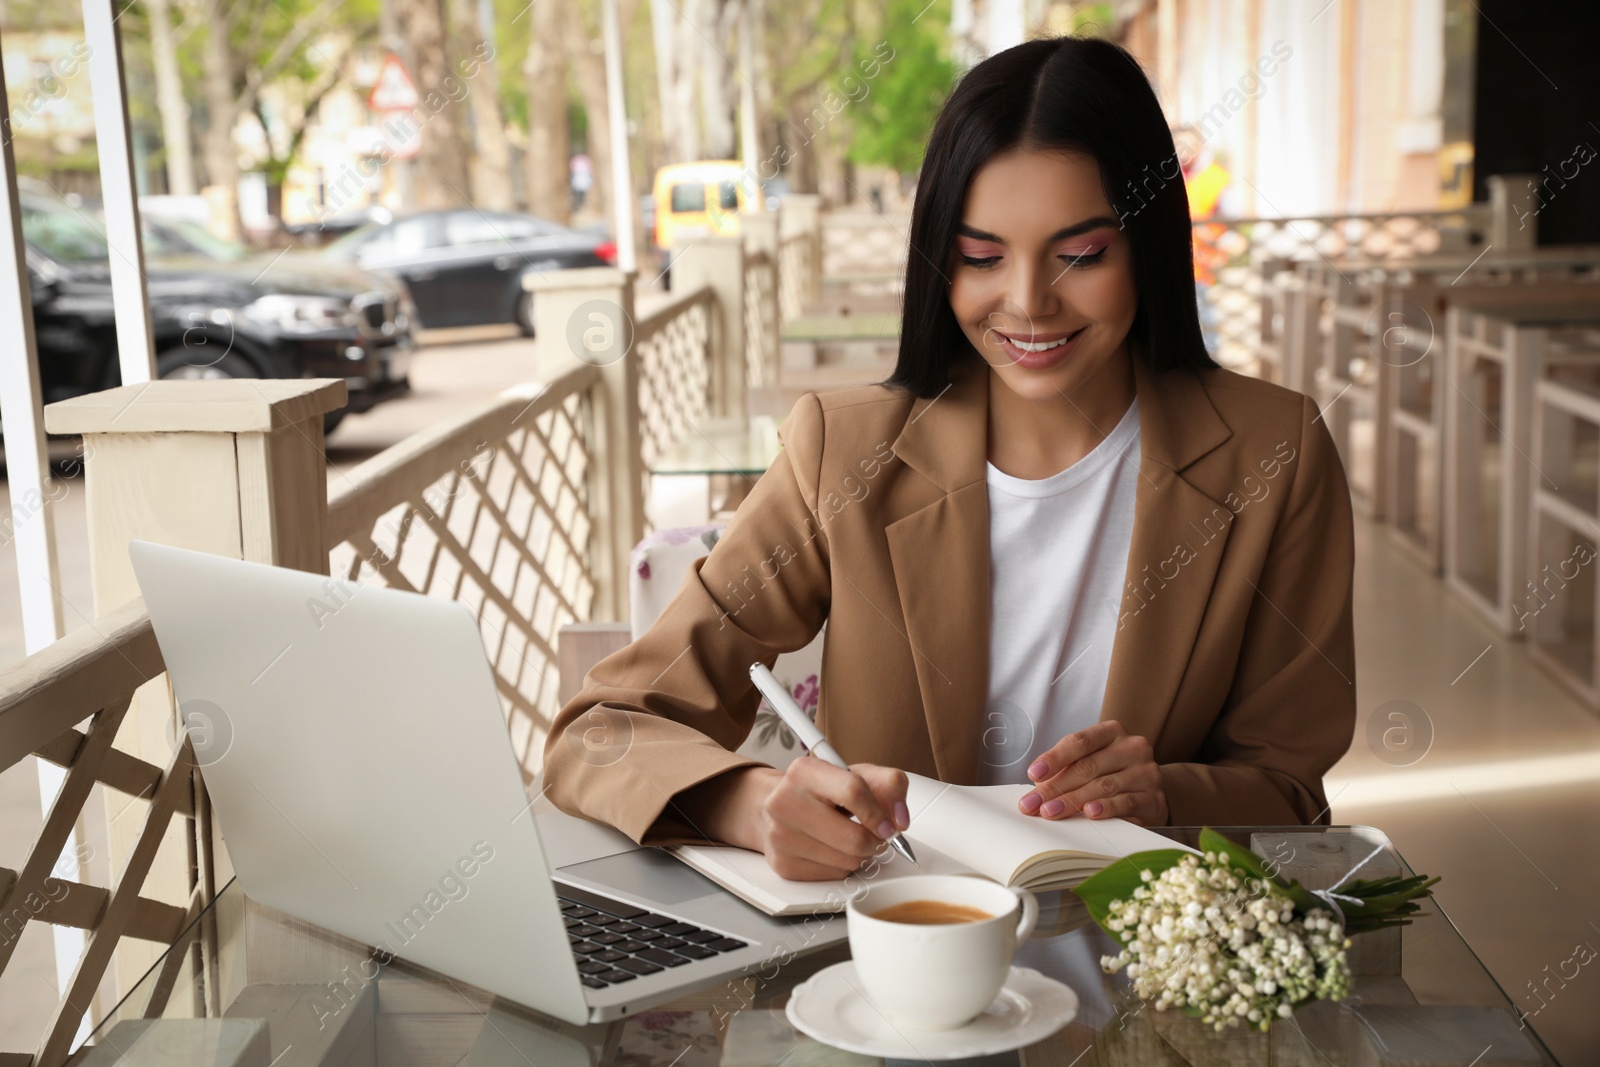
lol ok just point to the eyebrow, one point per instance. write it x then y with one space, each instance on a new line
1066 231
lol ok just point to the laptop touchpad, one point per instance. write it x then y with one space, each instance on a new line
644 874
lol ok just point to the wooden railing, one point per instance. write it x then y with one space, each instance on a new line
864 244
90 677
675 369
492 510
1239 258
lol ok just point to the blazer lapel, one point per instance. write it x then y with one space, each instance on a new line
1179 533
940 555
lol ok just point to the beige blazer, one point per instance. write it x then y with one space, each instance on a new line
1234 653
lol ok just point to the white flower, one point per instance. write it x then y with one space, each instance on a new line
1206 936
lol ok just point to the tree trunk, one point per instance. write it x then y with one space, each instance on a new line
589 67
491 160
716 77
545 75
222 158
170 102
663 24
441 165
687 150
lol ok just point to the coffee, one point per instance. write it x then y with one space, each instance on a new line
931 913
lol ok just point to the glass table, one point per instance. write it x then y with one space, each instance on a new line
730 453
1425 989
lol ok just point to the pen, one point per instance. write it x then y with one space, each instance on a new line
811 738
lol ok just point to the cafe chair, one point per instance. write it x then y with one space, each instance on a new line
656 571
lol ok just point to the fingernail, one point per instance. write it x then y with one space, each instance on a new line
886 829
1093 809
1052 809
1039 769
1031 802
902 815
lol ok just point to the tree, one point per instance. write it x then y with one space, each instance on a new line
811 36
235 51
890 125
545 81
170 100
441 165
582 37
491 159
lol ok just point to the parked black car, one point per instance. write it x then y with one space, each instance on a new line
217 310
466 267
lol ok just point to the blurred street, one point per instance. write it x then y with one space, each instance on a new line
454 371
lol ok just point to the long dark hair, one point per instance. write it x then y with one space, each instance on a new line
1078 94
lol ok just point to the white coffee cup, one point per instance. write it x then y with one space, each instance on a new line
937 976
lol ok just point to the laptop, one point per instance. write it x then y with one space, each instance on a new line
357 756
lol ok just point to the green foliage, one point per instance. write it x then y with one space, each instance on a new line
890 126
1119 880
1374 903
1094 20
295 43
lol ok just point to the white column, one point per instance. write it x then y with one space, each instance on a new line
129 299
32 521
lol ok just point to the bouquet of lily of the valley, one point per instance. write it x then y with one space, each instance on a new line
1222 938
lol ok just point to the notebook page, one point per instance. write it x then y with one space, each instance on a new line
747 875
981 827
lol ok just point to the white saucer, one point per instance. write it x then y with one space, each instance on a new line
832 1007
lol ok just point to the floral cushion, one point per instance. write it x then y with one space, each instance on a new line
660 563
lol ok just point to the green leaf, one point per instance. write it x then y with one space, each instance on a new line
1120 879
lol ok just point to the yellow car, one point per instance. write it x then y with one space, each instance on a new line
701 199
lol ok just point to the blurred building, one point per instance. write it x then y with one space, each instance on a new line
1316 108
1332 107
52 111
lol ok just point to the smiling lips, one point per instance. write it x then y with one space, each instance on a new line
1040 349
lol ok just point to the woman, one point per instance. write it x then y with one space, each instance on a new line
1058 546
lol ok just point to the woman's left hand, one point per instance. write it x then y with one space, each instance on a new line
1102 771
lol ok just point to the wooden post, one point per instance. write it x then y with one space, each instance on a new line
232 467
719 263
802 214
587 315
1513 211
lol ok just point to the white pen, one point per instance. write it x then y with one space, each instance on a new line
811 738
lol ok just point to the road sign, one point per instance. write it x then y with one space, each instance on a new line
394 90
401 133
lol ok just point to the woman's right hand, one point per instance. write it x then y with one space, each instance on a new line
800 818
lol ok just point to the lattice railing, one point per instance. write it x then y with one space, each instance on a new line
90 677
864 243
673 346
1239 257
760 320
491 510
795 271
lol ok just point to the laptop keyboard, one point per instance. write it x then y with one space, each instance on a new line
615 942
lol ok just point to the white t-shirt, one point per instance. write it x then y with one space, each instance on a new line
1058 552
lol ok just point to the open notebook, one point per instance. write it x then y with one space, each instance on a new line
954 830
